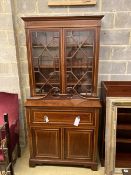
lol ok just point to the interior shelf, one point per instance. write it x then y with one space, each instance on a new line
68 67
46 67
124 126
79 46
69 84
68 45
123 140
42 46
40 84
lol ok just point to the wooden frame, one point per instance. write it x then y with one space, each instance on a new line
52 139
62 24
71 3
112 103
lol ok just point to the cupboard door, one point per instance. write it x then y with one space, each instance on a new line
80 61
46 143
45 60
79 144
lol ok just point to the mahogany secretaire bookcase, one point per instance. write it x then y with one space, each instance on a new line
63 111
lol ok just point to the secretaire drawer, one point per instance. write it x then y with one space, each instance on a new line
38 116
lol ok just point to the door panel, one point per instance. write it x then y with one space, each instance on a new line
80 60
46 60
79 144
46 143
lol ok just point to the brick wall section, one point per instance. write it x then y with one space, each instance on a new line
9 74
115 45
9 79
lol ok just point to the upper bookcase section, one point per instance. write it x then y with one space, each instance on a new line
63 54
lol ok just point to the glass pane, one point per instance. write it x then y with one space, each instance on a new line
45 57
79 55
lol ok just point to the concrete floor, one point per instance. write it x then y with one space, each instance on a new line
22 168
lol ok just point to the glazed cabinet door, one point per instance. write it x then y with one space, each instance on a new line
63 55
45 60
46 143
81 61
63 61
79 144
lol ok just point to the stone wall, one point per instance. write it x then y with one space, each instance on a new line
9 79
9 62
115 49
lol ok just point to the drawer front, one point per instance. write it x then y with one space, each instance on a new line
80 118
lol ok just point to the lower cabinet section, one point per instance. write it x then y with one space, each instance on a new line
48 143
63 136
62 145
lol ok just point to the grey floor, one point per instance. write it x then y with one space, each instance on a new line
22 168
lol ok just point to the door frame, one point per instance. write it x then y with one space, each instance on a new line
112 103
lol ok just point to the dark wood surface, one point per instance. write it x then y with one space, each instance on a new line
62 18
58 140
60 25
123 136
76 103
117 88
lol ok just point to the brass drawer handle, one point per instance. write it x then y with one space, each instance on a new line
46 119
77 121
